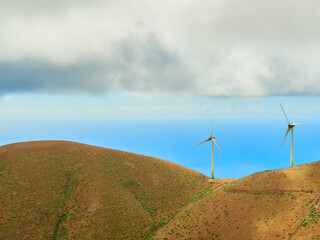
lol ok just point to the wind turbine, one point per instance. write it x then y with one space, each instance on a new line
212 139
290 128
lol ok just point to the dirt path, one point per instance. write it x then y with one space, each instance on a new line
222 180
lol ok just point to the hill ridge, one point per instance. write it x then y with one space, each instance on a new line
74 189
264 205
68 190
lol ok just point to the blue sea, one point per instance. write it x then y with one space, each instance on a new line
249 145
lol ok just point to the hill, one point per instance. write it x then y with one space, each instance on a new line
282 204
67 190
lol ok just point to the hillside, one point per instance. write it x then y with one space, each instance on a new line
67 190
282 204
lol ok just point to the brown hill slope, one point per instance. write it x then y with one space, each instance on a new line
282 204
67 190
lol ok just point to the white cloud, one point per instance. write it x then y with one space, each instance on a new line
209 48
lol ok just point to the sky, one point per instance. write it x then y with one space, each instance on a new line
160 62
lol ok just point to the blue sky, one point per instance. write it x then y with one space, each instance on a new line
249 145
76 69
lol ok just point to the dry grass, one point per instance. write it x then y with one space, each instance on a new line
281 204
67 190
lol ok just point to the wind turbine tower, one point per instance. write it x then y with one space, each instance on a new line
213 141
290 128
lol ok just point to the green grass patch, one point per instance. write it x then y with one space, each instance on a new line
313 217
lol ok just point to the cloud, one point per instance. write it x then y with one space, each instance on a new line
154 48
135 67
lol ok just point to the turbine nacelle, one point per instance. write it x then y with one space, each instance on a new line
291 125
213 141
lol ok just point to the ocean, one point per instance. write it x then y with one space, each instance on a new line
249 145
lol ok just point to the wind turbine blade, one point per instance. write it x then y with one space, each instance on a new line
203 141
212 126
284 113
217 145
285 136
298 124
